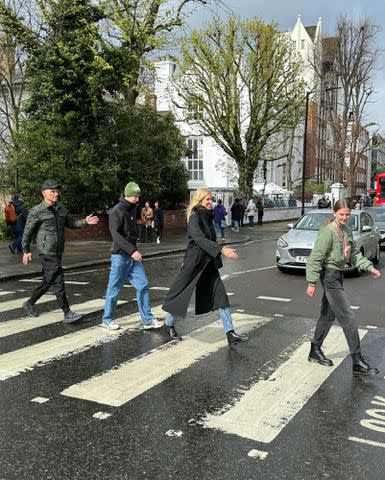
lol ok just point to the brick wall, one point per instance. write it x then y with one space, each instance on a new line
173 220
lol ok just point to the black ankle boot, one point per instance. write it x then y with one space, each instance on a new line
316 355
233 338
171 332
360 367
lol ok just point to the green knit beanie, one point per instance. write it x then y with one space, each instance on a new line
131 189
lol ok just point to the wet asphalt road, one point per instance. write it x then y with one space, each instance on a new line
329 426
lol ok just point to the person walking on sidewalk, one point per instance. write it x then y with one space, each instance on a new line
126 261
220 218
235 215
147 218
333 249
46 222
260 208
17 228
200 271
250 212
158 221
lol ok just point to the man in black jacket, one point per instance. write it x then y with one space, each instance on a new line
45 224
126 261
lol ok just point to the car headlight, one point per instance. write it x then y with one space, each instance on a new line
282 243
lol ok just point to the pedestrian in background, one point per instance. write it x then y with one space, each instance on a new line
46 223
17 228
250 212
333 249
147 218
220 218
126 261
242 211
260 208
158 221
235 210
200 271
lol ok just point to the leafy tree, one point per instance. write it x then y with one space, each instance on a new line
244 77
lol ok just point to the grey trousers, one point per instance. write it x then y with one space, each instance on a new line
335 305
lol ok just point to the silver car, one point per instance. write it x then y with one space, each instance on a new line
295 246
378 215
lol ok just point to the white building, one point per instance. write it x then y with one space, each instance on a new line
208 165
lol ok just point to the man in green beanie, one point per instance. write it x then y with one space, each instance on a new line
126 261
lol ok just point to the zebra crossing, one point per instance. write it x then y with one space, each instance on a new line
259 414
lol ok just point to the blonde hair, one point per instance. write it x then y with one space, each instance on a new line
197 199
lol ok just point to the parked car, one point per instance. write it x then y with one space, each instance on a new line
295 246
378 215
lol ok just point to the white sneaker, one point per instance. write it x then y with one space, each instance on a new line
111 326
153 324
157 240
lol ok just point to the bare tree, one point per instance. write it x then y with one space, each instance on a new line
349 61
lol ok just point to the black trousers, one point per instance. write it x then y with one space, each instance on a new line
335 305
53 279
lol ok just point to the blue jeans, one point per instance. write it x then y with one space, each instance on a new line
124 268
219 229
16 244
224 315
235 225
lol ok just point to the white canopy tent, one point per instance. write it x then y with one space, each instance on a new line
271 189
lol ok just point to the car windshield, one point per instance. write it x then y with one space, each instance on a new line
378 215
315 220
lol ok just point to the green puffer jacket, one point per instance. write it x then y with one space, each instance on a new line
328 252
45 225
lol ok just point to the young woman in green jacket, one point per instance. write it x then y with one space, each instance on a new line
333 249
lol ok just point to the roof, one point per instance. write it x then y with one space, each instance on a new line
311 31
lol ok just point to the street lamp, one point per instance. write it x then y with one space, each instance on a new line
304 153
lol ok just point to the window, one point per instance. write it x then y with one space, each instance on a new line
195 158
293 44
302 44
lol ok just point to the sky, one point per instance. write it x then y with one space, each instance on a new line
285 13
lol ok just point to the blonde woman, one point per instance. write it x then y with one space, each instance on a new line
200 271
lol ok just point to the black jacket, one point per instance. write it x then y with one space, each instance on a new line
46 224
123 227
22 214
199 270
158 218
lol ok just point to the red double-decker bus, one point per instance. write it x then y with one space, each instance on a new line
379 187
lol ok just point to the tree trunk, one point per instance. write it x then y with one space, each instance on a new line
245 180
289 158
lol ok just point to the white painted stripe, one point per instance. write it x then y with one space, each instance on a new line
371 327
242 272
18 361
274 299
31 280
270 404
266 268
12 304
367 442
166 289
69 282
132 378
26 323
101 415
354 307
40 400
6 293
258 454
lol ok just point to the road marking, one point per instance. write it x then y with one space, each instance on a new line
166 289
278 315
16 362
68 282
40 400
258 454
367 442
118 386
101 415
371 327
13 304
268 406
174 433
354 307
274 299
266 268
6 293
164 256
26 323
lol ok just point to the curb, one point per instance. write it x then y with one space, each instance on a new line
90 263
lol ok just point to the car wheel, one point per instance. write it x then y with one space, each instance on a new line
376 257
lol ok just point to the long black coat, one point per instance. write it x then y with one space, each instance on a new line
199 270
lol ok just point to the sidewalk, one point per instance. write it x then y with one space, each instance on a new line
84 253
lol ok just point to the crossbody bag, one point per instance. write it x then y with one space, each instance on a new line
347 248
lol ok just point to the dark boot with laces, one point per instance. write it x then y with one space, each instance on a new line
71 317
316 355
361 367
233 338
